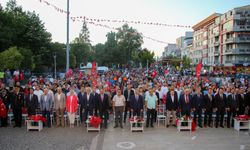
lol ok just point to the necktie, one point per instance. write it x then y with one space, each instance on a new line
31 97
102 97
186 99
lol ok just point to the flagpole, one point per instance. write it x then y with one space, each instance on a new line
67 48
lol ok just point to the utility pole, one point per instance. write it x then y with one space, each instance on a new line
67 48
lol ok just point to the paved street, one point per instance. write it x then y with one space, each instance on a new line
118 139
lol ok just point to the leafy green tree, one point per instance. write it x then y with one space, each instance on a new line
129 41
145 55
27 58
11 58
186 62
83 35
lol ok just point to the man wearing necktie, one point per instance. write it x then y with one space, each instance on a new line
185 103
232 107
198 105
103 107
209 104
46 105
171 106
31 102
242 102
136 104
220 104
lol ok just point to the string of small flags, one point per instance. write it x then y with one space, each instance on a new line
117 29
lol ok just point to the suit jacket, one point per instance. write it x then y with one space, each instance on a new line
208 104
31 103
136 104
103 105
183 105
242 101
60 103
126 94
80 98
247 97
96 99
170 104
198 101
46 104
90 104
220 103
233 103
17 101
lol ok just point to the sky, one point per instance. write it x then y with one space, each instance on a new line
182 12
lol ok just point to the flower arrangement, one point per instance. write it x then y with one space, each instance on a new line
94 121
37 118
242 117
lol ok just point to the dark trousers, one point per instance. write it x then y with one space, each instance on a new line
118 115
87 112
150 115
208 114
127 108
17 117
241 110
185 113
46 114
198 112
104 115
4 122
81 115
220 116
230 116
137 113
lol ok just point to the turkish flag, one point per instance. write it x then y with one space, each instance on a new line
198 70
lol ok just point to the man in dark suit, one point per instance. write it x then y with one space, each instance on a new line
80 101
171 106
198 105
31 102
247 97
185 103
127 94
17 104
220 104
88 103
208 105
232 106
103 106
242 102
136 103
95 98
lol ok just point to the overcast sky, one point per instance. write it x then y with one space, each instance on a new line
183 12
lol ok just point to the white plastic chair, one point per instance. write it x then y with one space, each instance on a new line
161 115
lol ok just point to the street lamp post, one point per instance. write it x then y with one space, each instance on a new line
67 49
55 64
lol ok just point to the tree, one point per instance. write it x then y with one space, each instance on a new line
129 41
10 58
146 56
23 30
83 35
81 52
27 58
186 62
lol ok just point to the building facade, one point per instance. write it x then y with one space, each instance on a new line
171 50
223 39
185 43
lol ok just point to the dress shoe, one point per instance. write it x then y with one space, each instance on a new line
152 126
167 126
222 126
115 126
174 125
121 127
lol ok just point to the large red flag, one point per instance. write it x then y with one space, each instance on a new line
198 70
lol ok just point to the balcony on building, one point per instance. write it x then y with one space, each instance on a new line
237 51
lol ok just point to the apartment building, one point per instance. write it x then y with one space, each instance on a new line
223 39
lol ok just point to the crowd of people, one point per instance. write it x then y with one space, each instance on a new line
127 93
